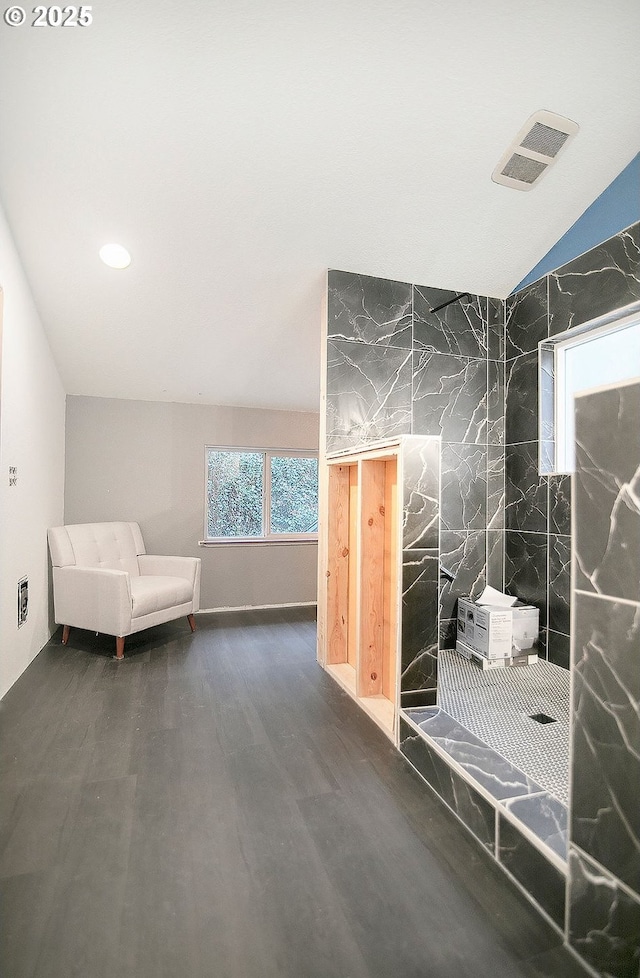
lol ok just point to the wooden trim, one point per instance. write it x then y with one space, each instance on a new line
371 603
391 544
323 485
338 565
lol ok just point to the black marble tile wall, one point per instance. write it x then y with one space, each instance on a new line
363 309
604 919
420 468
526 320
525 490
606 638
421 489
470 807
521 393
605 278
560 504
459 329
450 397
607 489
606 734
419 627
464 553
525 568
397 367
464 487
559 583
368 393
538 876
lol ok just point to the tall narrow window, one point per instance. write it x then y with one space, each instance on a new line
265 495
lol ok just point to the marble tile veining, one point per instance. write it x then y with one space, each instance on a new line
525 571
606 734
419 640
526 319
538 876
495 402
450 397
546 817
525 491
495 563
464 487
364 309
604 920
607 492
459 329
474 810
368 393
421 489
496 338
606 277
559 583
495 487
521 398
488 768
464 554
560 504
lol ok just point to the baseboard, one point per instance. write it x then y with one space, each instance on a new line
258 607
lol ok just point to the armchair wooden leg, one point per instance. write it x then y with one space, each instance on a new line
120 647
192 622
65 634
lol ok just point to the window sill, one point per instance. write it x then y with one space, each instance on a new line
260 542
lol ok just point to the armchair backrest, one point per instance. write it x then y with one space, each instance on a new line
114 546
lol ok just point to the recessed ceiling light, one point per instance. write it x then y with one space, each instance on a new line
115 256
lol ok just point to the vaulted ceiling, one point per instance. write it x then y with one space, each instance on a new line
240 149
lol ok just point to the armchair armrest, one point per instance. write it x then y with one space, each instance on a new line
93 598
187 567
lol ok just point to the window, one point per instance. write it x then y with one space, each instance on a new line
254 495
603 353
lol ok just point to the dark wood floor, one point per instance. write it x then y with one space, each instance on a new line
215 807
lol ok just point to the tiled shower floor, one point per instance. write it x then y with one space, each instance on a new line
497 707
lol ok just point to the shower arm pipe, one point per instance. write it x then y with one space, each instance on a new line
456 298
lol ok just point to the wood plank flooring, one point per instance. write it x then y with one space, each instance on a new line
215 806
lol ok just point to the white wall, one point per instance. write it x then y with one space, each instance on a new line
32 405
144 461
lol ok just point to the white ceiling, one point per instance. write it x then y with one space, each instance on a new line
239 149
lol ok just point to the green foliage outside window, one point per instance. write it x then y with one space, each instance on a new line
294 494
245 489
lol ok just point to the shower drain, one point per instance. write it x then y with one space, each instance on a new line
542 718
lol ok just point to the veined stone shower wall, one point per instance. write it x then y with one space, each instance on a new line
537 538
604 894
396 368
469 374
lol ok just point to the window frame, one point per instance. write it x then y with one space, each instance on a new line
268 538
551 386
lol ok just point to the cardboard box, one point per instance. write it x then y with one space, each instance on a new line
497 633
513 661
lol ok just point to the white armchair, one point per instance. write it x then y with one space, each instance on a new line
104 581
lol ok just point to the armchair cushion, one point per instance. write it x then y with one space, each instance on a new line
150 594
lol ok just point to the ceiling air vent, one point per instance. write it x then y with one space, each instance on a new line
534 150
